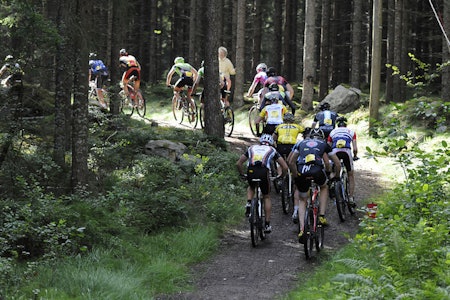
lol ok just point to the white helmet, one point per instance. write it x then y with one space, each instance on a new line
261 67
266 138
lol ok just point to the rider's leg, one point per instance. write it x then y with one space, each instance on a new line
323 198
267 207
302 197
101 98
351 183
125 84
291 104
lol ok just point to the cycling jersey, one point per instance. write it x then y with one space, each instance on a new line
260 77
98 67
276 79
129 61
261 155
287 133
311 152
327 121
341 137
183 70
273 114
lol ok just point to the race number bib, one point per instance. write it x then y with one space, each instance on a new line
310 158
340 144
328 122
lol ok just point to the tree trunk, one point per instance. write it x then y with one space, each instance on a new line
376 65
446 54
238 100
324 50
278 38
390 50
257 35
309 62
356 43
80 101
396 93
213 118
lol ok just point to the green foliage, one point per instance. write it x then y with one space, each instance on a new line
403 253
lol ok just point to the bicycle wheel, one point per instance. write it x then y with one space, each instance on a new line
285 195
177 109
253 220
201 116
228 120
191 111
340 200
309 238
252 114
125 104
345 185
319 236
141 105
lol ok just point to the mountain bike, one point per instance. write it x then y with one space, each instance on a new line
182 107
252 114
341 188
134 102
257 216
314 232
227 113
287 192
93 97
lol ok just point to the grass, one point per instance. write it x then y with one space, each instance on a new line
140 269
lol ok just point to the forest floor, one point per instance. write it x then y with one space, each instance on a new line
277 264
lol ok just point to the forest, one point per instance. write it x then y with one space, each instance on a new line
74 180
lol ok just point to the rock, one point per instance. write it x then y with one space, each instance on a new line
165 148
343 100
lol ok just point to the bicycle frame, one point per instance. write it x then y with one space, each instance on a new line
257 216
312 228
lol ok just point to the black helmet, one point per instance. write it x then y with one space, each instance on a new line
324 106
288 118
271 71
123 51
273 98
341 121
317 133
273 87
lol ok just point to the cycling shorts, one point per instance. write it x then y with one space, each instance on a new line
133 71
308 172
346 155
259 172
284 149
270 128
184 81
101 79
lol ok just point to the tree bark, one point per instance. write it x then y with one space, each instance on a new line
376 65
397 93
80 101
324 50
238 100
356 44
446 54
309 62
390 50
213 118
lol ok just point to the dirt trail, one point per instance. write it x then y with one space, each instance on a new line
274 267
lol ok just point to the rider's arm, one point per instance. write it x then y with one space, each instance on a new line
251 89
239 164
283 164
337 164
290 89
3 70
355 146
292 162
169 76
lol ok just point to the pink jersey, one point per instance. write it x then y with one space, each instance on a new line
260 77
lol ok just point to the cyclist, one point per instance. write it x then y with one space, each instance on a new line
98 73
188 75
201 74
259 78
326 119
274 92
12 70
285 136
132 68
288 90
308 160
272 113
343 140
258 159
227 69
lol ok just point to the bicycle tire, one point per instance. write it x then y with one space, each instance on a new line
202 116
319 236
228 120
252 114
340 200
192 114
141 104
285 197
125 107
345 184
307 231
253 220
177 109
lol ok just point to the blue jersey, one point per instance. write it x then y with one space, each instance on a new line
311 151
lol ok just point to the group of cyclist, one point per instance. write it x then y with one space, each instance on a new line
316 157
11 72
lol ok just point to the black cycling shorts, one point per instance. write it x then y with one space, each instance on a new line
259 172
308 172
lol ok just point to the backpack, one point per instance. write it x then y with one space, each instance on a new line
98 67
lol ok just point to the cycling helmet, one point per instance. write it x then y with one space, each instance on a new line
288 118
341 121
317 133
178 60
92 55
261 67
266 139
203 63
272 98
9 57
324 106
123 52
271 72
273 87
